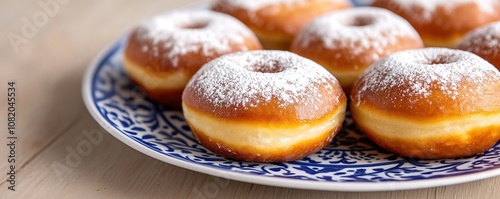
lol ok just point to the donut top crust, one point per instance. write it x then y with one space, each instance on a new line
431 82
254 5
430 6
484 41
171 35
278 17
264 85
444 19
358 30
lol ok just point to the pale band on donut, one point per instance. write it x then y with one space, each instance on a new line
265 106
164 52
429 103
347 42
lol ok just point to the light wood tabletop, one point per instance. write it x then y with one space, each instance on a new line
47 60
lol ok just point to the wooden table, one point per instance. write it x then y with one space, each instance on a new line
47 65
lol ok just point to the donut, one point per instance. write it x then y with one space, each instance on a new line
164 52
277 22
347 42
264 106
484 42
429 103
443 23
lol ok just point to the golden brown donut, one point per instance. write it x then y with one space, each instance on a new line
264 106
347 42
443 23
165 51
276 22
429 103
484 42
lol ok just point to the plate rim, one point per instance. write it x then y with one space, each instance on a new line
253 178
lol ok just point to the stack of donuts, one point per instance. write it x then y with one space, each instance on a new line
272 80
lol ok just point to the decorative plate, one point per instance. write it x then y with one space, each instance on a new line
350 163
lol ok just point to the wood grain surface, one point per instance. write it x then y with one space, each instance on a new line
51 118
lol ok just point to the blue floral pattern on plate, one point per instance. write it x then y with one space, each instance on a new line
351 157
350 163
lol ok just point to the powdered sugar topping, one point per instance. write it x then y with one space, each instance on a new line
485 40
358 29
190 30
429 6
247 79
426 71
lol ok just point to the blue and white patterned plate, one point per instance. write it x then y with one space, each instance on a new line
351 163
